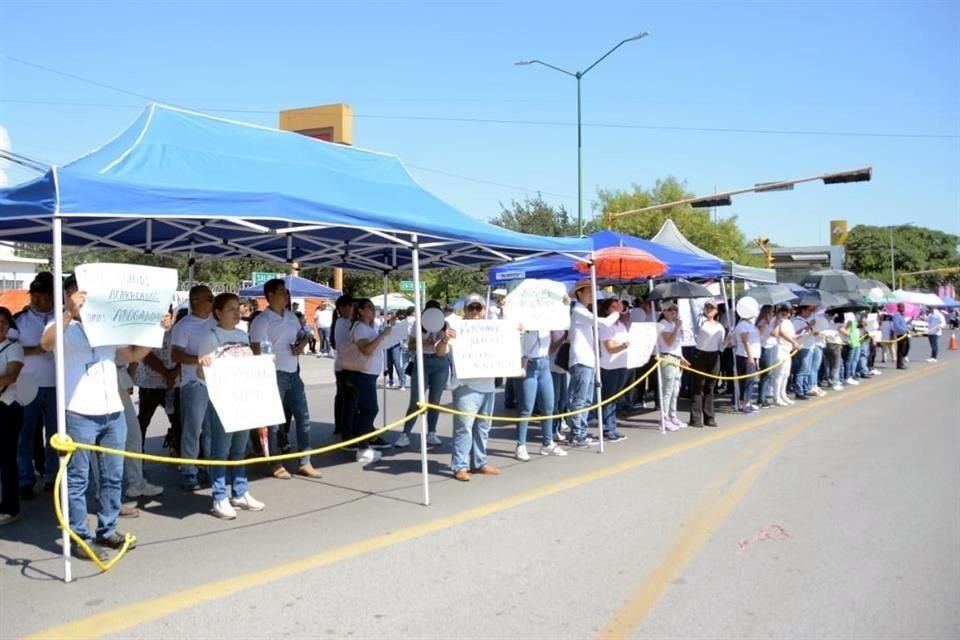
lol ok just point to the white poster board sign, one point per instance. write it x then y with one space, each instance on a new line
244 392
487 349
643 342
538 305
125 303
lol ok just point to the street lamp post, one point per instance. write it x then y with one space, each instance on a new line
578 76
893 269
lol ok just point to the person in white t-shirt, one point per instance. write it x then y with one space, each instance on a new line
536 388
614 342
473 396
11 418
94 416
361 407
747 348
340 336
671 357
323 320
786 343
195 411
278 331
710 339
803 359
935 324
39 365
227 340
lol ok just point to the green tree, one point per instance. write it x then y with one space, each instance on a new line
722 238
915 249
534 215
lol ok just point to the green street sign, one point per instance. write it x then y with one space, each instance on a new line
407 285
262 277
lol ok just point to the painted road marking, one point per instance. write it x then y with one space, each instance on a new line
132 615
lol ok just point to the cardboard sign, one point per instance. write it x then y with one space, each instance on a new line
244 392
538 305
487 349
643 341
125 303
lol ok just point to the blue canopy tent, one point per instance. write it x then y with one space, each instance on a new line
298 288
177 181
679 264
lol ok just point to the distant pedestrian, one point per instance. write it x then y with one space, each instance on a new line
935 324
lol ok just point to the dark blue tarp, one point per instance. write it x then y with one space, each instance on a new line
179 181
298 288
679 264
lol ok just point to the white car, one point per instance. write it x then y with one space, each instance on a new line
918 326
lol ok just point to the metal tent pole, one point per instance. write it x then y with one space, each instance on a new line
731 310
61 382
386 283
421 393
596 350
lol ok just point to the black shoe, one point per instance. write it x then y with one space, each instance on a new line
77 552
694 424
379 443
801 397
48 486
114 541
26 493
710 423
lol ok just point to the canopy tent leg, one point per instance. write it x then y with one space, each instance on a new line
596 350
191 261
731 310
61 383
421 393
386 284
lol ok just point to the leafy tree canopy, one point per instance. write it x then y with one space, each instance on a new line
914 249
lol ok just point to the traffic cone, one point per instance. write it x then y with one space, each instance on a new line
953 341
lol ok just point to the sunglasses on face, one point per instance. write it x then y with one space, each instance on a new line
475 307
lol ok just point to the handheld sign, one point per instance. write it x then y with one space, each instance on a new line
487 349
244 392
125 303
643 340
538 305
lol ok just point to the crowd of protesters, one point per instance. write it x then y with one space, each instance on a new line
774 357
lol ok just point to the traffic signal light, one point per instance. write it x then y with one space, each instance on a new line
764 243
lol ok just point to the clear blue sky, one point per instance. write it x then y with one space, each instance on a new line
854 67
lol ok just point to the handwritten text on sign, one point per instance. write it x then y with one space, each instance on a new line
538 305
487 349
244 392
643 340
125 303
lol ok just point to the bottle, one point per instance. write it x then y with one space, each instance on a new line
266 347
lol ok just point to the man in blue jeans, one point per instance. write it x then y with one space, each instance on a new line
803 326
279 328
94 416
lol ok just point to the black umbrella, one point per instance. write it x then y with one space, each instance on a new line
869 285
679 289
771 294
819 298
843 283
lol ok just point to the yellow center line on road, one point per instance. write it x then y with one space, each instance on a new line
702 522
138 613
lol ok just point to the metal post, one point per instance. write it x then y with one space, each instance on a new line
61 383
386 283
893 269
421 393
596 350
580 167
730 311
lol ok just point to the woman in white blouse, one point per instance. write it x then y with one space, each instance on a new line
11 418
614 342
710 338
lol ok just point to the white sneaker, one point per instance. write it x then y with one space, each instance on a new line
368 456
402 442
906 358
222 509
552 450
146 489
781 403
931 359
851 381
838 387
876 372
521 453
434 440
248 503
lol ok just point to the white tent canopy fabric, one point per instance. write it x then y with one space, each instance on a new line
669 235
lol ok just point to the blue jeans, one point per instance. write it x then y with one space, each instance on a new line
294 399
611 381
536 389
746 366
934 346
768 357
45 405
470 434
361 408
801 381
228 446
850 364
395 363
580 396
816 361
108 430
196 414
559 397
435 382
862 368
324 345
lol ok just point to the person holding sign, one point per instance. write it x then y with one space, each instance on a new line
11 416
277 330
614 342
671 356
362 358
226 339
583 360
536 388
472 396
94 416
436 362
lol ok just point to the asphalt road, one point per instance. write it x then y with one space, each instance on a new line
836 518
